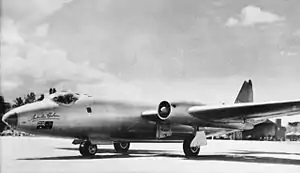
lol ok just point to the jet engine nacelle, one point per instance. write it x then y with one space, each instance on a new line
164 110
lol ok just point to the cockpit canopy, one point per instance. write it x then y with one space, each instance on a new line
65 98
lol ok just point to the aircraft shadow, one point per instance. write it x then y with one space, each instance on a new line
79 157
130 154
248 159
130 151
263 152
234 156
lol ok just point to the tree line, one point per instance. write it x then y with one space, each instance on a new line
19 101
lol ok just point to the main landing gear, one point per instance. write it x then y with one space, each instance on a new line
86 148
121 147
188 150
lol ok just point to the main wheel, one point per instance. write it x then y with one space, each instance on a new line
121 147
86 148
188 150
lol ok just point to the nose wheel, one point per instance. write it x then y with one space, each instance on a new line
121 147
86 148
188 150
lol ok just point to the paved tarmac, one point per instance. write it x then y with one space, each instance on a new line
45 155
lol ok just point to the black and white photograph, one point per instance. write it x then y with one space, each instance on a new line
149 86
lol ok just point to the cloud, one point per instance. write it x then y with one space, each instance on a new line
9 85
251 15
232 22
296 33
46 64
9 32
41 62
42 30
31 10
116 89
217 3
85 45
287 53
36 65
33 64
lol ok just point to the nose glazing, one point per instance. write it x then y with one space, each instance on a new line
11 119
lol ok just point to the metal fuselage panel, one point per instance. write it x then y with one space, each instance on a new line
106 121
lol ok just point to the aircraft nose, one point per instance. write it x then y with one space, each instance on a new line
11 119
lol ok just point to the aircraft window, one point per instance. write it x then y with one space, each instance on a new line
89 109
65 99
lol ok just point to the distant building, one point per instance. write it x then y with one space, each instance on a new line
267 130
293 136
237 135
293 131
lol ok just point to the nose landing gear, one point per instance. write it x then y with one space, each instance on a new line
86 148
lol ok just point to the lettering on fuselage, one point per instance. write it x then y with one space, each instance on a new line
44 125
47 116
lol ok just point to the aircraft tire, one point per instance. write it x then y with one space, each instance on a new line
86 148
121 147
190 151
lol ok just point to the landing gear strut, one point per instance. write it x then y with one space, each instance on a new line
188 150
121 147
86 148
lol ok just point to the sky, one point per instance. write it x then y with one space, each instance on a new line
152 50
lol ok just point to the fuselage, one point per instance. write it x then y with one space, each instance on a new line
72 115
92 118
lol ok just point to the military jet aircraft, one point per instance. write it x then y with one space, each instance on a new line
91 122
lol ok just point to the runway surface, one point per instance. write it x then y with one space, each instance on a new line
37 154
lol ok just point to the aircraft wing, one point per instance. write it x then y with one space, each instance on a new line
246 111
222 116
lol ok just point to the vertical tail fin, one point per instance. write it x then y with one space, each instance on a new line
246 93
